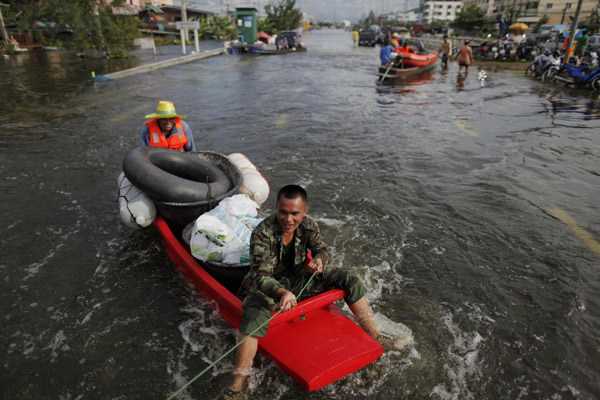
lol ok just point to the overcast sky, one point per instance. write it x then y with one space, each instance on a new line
330 10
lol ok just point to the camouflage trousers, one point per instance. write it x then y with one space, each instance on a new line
258 306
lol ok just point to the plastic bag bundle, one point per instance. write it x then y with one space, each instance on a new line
210 238
223 234
239 205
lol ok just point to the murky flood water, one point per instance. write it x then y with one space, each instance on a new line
464 205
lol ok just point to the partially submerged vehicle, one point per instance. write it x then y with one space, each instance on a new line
367 37
293 38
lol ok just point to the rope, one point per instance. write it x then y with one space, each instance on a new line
237 345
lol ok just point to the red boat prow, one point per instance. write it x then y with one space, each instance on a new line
314 343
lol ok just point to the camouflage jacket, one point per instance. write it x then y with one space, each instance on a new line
266 250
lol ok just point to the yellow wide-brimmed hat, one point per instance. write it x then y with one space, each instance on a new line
165 109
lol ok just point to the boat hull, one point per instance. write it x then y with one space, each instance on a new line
399 74
281 51
418 60
314 343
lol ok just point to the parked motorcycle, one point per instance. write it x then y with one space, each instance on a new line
582 75
527 50
544 66
509 51
493 53
483 50
551 69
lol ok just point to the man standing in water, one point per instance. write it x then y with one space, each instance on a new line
278 253
166 129
446 50
465 58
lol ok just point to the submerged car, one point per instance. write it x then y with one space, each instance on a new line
293 38
367 37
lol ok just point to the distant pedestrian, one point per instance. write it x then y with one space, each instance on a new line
501 25
446 50
465 58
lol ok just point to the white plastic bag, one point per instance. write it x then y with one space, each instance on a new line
210 238
239 205
203 249
223 234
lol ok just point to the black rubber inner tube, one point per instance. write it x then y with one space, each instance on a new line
169 175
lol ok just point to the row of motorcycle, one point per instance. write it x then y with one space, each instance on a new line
506 51
551 67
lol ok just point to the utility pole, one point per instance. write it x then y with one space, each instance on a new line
183 11
99 30
573 29
4 34
184 17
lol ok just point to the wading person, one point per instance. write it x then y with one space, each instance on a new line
465 58
278 249
166 129
446 50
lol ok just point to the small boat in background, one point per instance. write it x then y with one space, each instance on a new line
408 61
281 51
397 74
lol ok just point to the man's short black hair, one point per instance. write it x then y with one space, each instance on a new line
291 192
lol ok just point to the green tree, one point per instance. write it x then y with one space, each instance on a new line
542 21
369 20
76 24
283 16
266 25
471 19
222 28
592 23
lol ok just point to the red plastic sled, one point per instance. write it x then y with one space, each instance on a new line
314 343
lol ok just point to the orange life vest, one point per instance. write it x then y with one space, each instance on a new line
176 141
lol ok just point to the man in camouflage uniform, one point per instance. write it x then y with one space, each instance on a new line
278 253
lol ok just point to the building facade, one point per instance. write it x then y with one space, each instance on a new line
407 16
441 10
530 11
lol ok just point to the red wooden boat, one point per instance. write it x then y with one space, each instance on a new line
314 343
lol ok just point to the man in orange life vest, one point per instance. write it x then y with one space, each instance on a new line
166 129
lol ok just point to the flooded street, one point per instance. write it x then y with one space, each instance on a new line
471 209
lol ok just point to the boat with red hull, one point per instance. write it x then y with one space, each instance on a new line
315 343
410 59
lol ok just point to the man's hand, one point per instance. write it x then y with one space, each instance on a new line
316 265
287 300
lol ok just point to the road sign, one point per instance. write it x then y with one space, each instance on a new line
188 25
